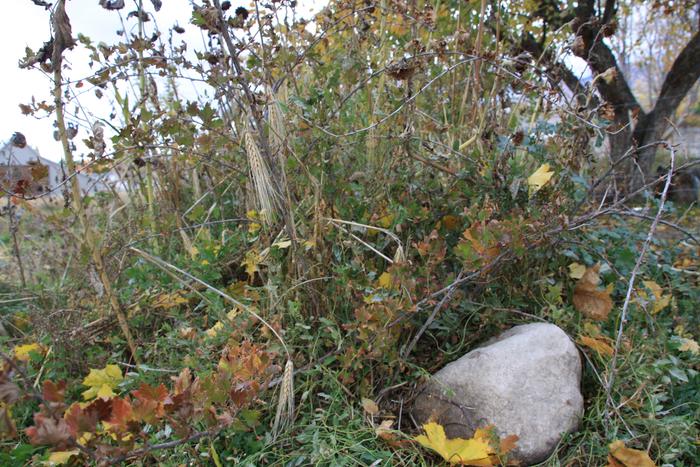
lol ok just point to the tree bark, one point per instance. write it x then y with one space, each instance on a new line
633 129
684 73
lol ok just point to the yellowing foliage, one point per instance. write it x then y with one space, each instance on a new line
251 262
61 457
539 178
474 451
576 270
385 280
102 382
169 300
22 351
660 300
689 345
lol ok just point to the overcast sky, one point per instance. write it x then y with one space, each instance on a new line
28 25
25 24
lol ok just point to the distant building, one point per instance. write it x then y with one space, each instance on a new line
24 171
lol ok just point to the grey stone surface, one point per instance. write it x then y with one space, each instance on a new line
525 382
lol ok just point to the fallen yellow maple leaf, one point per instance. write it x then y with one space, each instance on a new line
627 457
61 457
385 280
22 352
474 451
591 302
102 382
540 178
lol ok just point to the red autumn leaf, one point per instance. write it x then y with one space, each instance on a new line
84 419
122 414
182 382
54 392
149 402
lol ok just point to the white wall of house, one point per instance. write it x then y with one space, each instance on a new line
89 183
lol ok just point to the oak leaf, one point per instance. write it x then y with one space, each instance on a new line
591 302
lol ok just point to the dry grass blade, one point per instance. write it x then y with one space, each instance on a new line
285 404
278 132
265 190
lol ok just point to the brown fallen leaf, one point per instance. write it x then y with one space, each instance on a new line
591 302
370 406
621 456
599 344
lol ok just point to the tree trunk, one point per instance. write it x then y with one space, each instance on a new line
651 128
643 135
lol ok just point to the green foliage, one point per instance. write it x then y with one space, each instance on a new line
397 158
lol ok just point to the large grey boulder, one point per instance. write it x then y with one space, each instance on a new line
525 382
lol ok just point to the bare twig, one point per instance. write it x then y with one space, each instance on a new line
630 288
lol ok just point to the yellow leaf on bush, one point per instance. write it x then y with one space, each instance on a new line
169 300
661 301
385 280
540 178
473 451
219 326
628 457
61 457
599 344
22 351
214 330
591 302
576 270
689 345
251 262
102 382
386 221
